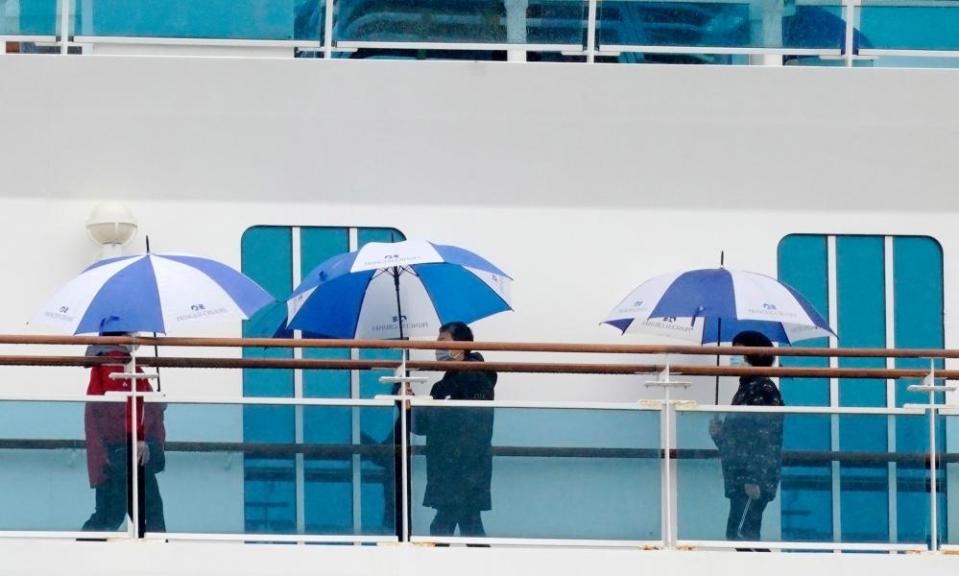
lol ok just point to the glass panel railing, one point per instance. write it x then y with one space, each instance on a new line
803 25
49 463
29 17
911 24
328 480
550 22
276 20
733 468
550 473
948 476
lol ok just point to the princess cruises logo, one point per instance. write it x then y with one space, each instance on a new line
62 313
769 309
670 324
200 311
394 325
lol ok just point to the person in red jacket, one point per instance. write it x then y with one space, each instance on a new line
108 437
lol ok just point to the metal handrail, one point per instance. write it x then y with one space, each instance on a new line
516 367
480 346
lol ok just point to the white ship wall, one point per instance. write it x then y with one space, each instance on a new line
581 181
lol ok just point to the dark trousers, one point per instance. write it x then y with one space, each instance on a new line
114 496
446 520
745 518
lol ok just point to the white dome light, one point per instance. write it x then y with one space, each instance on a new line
112 223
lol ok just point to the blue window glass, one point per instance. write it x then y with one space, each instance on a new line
721 24
223 19
918 324
868 296
911 25
860 279
270 490
806 490
29 18
336 500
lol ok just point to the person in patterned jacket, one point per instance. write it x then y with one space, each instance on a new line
750 446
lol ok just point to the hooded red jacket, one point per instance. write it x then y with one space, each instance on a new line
109 422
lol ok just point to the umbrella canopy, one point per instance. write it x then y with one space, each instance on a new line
395 290
152 293
713 305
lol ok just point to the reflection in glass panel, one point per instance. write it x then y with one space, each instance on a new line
28 17
215 482
225 19
907 62
546 473
46 470
467 21
745 24
948 476
720 454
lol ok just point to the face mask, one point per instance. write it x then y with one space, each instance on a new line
444 355
737 361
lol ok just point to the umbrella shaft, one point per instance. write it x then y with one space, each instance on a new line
399 305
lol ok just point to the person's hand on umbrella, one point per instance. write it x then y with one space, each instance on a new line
752 491
143 452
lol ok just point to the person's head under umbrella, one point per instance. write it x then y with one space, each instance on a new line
754 339
454 332
115 349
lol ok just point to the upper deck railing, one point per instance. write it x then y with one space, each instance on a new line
809 32
587 473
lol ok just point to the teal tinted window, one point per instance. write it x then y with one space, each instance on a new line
233 19
806 490
333 489
888 292
29 18
911 25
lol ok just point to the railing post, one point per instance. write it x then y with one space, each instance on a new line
591 11
328 7
134 528
667 384
929 385
933 504
65 13
852 13
400 377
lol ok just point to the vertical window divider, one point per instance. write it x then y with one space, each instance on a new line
355 425
328 7
66 10
890 302
591 10
833 292
300 468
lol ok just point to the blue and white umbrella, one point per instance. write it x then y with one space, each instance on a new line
713 305
152 293
397 290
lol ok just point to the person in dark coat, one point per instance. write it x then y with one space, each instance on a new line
108 439
459 458
750 446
